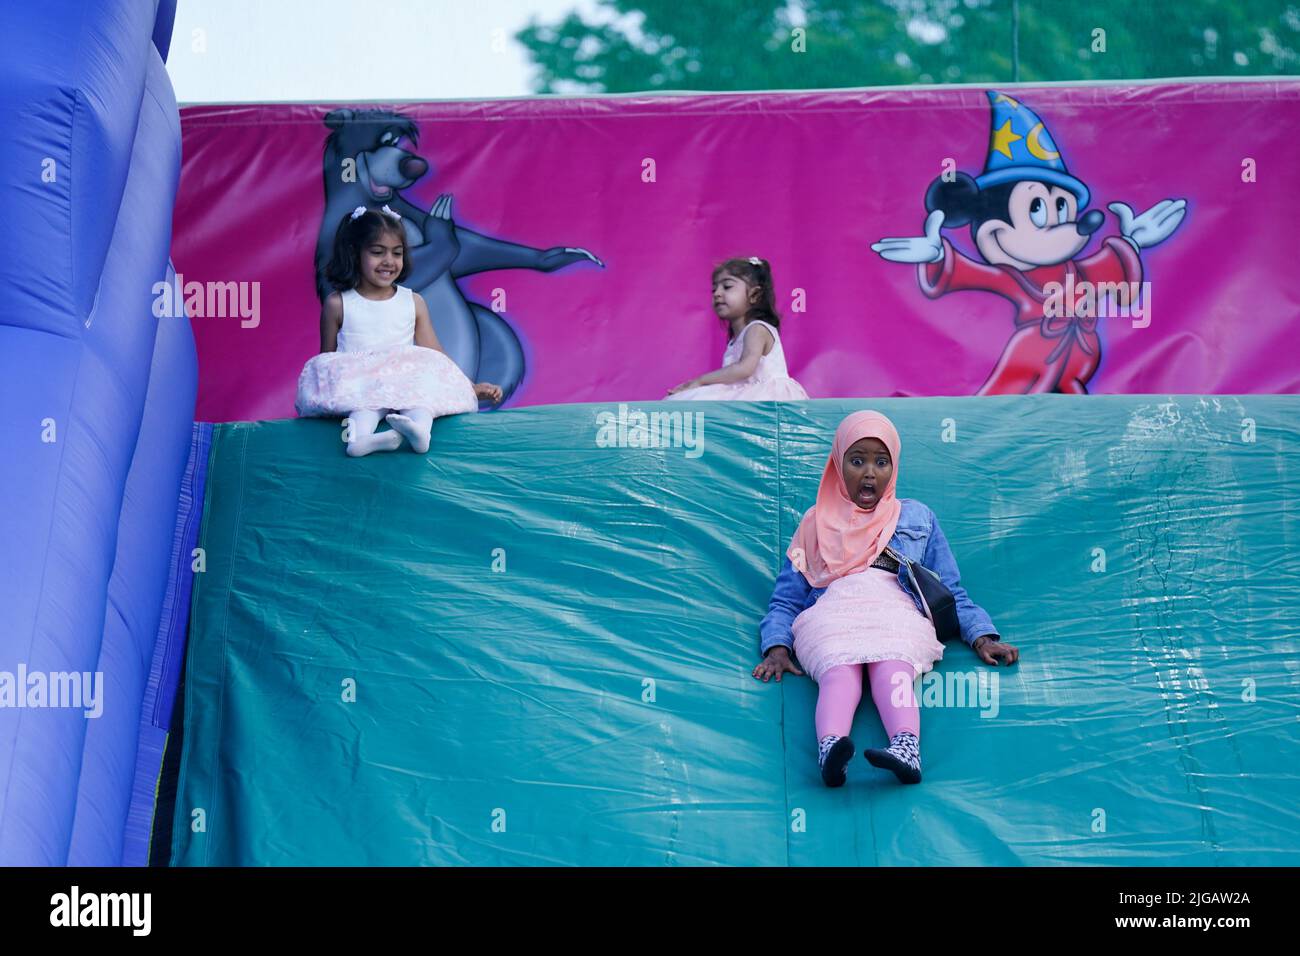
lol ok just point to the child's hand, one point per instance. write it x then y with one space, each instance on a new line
776 663
692 383
991 651
486 391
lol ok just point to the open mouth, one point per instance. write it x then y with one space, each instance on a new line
378 190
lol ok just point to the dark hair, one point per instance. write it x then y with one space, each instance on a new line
760 276
343 271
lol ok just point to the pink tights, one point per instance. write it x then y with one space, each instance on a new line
840 690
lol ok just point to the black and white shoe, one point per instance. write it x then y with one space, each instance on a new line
903 756
834 754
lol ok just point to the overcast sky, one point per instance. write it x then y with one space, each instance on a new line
325 50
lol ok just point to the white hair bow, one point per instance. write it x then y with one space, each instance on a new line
755 261
361 211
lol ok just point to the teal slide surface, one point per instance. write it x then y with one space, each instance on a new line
534 645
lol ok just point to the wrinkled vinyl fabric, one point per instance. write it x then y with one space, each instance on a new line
549 640
97 392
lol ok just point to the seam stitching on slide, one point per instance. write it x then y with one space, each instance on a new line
785 775
225 632
198 586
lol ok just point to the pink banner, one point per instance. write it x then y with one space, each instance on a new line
923 242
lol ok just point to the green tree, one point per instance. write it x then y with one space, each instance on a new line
635 45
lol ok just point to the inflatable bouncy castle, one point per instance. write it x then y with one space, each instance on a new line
97 430
226 642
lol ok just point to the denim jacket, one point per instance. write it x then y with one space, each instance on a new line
917 536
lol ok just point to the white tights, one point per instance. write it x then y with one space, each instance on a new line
413 424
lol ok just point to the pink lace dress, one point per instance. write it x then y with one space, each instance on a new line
864 617
379 366
770 381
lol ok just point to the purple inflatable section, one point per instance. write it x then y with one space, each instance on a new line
98 398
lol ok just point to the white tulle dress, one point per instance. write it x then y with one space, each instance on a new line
771 381
379 366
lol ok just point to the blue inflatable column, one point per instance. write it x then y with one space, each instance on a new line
91 153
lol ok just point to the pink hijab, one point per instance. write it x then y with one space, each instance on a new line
837 537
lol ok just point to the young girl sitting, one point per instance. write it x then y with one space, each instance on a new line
846 601
378 351
753 366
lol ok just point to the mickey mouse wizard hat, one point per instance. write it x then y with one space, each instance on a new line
1020 147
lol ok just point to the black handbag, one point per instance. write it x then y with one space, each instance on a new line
939 604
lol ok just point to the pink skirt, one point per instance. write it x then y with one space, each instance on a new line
410 376
864 617
770 390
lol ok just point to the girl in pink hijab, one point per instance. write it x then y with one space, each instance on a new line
844 600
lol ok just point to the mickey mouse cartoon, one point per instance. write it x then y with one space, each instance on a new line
1026 219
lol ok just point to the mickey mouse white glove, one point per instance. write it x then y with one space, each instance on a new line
1153 226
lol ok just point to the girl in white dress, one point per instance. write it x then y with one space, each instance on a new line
753 366
379 356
